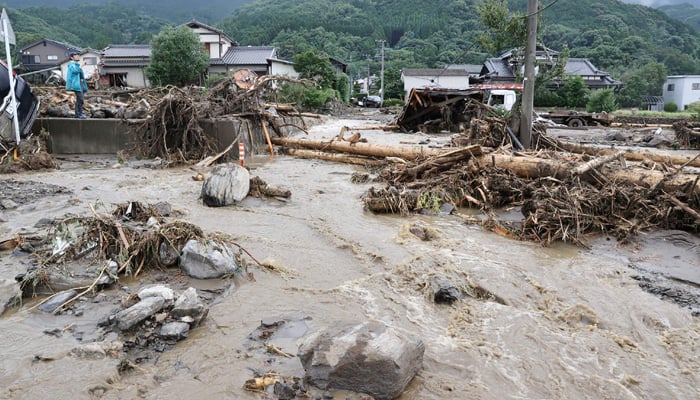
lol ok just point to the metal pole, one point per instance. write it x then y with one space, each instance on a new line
13 99
529 80
381 88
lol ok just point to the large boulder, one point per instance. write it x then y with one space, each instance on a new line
10 294
226 184
207 260
368 357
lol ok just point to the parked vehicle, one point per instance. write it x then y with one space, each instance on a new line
575 119
27 106
371 101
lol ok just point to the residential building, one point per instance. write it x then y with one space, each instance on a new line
44 55
124 65
509 65
443 78
682 90
91 69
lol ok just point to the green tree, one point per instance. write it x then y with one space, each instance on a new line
574 92
645 81
503 29
316 67
602 100
177 58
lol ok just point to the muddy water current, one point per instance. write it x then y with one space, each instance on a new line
557 322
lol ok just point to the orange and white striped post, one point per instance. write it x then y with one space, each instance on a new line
241 153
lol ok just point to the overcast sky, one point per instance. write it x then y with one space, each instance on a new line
659 3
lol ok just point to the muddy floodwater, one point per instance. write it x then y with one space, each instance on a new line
558 322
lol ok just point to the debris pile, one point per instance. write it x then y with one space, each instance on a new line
688 133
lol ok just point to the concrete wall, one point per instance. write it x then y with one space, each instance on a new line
686 90
108 136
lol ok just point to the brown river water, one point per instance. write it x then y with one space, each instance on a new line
557 322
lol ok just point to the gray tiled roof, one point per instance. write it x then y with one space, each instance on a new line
127 50
55 42
248 55
497 68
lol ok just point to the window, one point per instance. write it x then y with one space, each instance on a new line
31 59
696 86
90 60
671 87
52 58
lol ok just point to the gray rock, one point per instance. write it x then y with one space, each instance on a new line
167 254
8 204
174 330
51 305
189 306
226 184
444 291
157 291
368 357
10 294
163 208
658 141
207 260
90 351
131 316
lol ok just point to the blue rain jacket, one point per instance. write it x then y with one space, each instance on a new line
75 77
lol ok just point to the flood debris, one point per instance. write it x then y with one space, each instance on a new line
30 155
82 263
564 191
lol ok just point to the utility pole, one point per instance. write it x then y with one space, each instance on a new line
381 87
529 81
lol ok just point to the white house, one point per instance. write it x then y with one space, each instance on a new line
282 67
444 78
216 43
682 90
92 60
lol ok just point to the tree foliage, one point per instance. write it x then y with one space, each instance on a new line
177 57
316 67
602 100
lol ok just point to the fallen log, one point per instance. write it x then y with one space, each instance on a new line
524 166
533 167
373 150
337 157
629 154
595 163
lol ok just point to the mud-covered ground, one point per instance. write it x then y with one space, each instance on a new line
615 321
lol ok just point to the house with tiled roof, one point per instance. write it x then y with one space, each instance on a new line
124 65
44 55
509 65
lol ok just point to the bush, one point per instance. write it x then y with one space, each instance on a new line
670 107
393 103
309 98
602 100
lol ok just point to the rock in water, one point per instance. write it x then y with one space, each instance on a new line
368 357
226 184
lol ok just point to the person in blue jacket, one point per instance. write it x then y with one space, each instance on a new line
75 82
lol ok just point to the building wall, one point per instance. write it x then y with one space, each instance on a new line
277 68
135 76
686 90
50 54
218 45
443 82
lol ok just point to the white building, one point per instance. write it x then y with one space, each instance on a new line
682 90
442 78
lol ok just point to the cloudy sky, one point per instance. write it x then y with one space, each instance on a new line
659 3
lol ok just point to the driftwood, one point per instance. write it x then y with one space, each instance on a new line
595 163
404 152
337 157
629 154
524 166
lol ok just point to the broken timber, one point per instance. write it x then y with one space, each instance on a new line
629 154
372 150
524 166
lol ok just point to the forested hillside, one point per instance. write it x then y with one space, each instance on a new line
684 13
174 11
